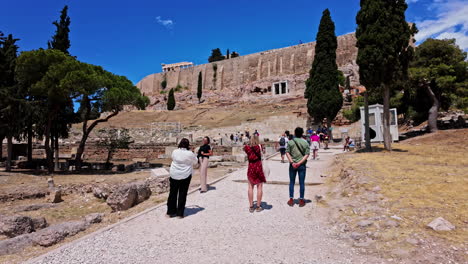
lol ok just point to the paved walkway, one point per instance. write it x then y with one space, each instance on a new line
220 229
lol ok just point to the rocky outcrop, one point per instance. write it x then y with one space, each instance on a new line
128 195
16 225
23 193
56 233
48 236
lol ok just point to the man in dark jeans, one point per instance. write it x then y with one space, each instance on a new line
297 151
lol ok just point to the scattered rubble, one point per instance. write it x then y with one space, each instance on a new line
440 224
48 236
128 195
12 226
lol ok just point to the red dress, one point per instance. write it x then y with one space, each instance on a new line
255 170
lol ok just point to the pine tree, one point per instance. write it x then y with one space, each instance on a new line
60 41
171 103
216 55
383 37
234 55
199 87
322 87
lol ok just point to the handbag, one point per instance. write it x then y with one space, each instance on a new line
265 168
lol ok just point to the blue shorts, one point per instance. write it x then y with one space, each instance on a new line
282 151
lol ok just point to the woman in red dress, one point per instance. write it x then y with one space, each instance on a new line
255 172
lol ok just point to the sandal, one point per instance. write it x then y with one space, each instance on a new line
259 209
252 209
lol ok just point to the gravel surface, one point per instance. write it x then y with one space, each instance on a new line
219 229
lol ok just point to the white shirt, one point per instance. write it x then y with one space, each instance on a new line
182 164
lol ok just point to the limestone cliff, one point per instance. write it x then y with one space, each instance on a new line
249 77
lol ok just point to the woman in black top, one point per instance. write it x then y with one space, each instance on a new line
204 154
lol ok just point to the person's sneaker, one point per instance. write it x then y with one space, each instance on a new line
301 203
291 202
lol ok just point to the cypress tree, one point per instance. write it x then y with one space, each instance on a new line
11 97
171 103
322 87
60 41
200 87
382 36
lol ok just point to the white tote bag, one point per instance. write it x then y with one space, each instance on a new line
266 169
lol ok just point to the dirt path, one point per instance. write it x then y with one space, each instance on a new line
220 229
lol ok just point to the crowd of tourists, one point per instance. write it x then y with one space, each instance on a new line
294 148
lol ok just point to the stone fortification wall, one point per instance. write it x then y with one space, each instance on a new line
245 76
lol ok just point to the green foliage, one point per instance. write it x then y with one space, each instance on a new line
200 86
163 92
113 139
215 71
180 88
322 91
354 114
60 41
234 55
12 98
341 78
164 82
382 36
442 65
216 55
171 103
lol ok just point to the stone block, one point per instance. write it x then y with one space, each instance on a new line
241 158
216 158
168 151
159 172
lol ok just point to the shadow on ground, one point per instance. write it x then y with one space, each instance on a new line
379 149
192 210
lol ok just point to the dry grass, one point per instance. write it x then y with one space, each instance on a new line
423 178
75 206
211 116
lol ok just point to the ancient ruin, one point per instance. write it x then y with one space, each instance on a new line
267 74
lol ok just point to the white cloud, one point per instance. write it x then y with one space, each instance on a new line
168 23
450 21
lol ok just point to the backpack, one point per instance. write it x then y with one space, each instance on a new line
282 141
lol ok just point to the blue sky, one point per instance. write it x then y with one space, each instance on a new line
133 38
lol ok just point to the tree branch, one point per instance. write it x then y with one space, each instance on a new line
96 122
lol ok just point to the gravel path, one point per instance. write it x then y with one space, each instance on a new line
220 229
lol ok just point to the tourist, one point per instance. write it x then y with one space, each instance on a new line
326 139
181 172
255 174
297 152
256 133
204 154
232 137
315 139
247 134
282 142
288 135
346 144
